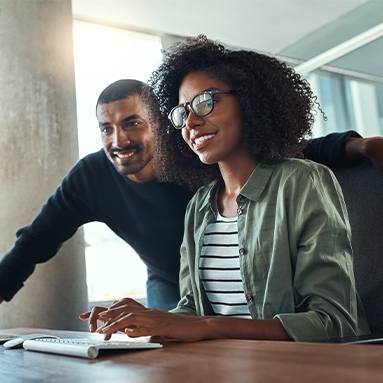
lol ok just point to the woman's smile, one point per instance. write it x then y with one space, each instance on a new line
200 141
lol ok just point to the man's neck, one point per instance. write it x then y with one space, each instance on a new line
144 175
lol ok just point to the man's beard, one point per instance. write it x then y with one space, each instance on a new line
134 168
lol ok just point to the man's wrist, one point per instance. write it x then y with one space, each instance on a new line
371 146
355 148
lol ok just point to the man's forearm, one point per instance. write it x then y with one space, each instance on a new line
356 147
330 150
371 148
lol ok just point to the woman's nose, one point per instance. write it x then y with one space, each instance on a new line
192 120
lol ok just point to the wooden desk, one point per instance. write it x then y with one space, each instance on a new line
208 361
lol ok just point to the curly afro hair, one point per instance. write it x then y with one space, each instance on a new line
276 105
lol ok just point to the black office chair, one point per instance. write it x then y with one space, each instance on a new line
363 192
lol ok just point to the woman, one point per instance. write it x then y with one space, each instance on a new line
266 251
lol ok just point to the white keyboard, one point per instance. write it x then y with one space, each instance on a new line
85 348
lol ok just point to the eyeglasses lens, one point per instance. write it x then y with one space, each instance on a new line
202 104
179 116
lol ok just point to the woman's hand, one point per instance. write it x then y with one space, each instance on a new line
135 320
93 317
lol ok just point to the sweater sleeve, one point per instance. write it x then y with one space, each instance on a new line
329 150
58 220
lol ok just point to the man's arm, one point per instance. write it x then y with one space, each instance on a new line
345 149
1 299
371 148
58 221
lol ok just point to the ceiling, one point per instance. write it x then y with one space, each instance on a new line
300 29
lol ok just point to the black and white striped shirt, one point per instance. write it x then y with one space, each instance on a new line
219 268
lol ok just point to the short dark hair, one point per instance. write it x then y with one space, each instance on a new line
276 106
120 90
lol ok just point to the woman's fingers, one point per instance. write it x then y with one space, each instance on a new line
107 336
84 316
126 317
92 317
104 314
138 321
110 320
126 302
117 310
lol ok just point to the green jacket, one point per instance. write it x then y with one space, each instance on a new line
295 250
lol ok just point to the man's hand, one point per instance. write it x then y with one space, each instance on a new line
371 148
1 299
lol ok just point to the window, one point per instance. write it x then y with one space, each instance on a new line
348 104
103 55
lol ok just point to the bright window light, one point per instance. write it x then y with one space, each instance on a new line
104 55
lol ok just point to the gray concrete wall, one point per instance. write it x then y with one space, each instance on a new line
38 145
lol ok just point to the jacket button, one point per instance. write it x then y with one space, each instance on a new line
242 251
239 211
241 198
249 298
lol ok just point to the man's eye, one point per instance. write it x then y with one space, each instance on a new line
106 129
133 123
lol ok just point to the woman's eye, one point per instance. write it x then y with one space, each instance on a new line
205 103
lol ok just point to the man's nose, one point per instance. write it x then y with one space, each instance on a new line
120 138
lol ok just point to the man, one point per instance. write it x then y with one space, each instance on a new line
117 186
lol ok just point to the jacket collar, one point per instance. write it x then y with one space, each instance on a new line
252 189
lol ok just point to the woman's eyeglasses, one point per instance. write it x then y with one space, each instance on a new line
201 105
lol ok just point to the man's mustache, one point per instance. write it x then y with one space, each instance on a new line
124 149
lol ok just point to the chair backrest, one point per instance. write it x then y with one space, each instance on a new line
363 192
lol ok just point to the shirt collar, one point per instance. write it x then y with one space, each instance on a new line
257 182
252 189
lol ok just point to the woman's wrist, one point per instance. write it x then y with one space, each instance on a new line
240 328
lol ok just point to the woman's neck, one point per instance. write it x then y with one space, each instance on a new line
236 175
234 178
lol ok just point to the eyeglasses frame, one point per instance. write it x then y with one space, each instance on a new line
212 93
